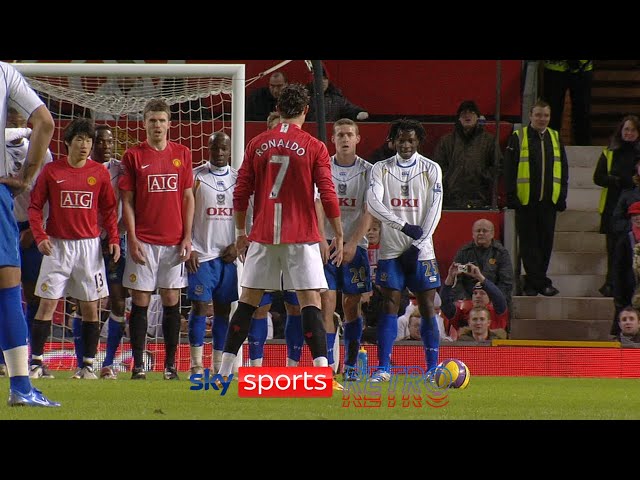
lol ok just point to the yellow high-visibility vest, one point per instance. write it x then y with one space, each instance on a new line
605 191
563 66
523 187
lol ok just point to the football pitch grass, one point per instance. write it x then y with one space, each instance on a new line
486 398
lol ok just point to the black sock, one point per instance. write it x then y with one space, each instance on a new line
90 338
238 327
171 333
314 333
39 333
138 333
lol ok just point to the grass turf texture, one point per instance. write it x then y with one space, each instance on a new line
490 398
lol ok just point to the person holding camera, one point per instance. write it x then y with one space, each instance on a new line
490 256
485 294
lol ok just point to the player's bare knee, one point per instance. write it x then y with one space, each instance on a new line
199 308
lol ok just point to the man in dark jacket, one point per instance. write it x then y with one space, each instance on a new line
536 183
262 101
468 157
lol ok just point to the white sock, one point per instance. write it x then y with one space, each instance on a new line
196 356
17 361
216 360
228 360
320 362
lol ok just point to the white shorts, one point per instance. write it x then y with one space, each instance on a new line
163 269
75 268
300 264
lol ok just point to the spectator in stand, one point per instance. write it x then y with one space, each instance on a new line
469 158
384 151
478 330
336 105
629 327
409 323
621 220
485 294
626 266
262 101
536 184
490 256
273 119
614 172
577 77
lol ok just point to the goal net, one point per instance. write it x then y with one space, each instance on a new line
204 98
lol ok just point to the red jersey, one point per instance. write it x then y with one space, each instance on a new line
281 166
76 196
159 179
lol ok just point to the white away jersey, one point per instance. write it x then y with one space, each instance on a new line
213 223
406 191
15 157
352 184
14 91
115 170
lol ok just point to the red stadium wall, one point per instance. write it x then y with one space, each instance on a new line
482 361
403 87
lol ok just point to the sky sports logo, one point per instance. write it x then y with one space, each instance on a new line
270 382
285 382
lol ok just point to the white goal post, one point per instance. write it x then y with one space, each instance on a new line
79 75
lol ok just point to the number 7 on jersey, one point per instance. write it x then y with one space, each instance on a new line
283 160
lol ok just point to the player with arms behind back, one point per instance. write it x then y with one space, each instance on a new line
406 195
281 166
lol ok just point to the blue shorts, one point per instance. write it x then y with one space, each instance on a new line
9 234
30 259
350 278
390 275
215 280
289 297
115 271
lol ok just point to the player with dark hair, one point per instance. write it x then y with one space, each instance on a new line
103 152
406 195
213 274
13 326
77 190
281 166
157 207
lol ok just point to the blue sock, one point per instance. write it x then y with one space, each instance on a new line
13 331
294 337
387 333
431 340
258 331
77 339
114 335
352 338
219 331
197 326
331 340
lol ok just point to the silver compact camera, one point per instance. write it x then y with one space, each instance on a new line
463 268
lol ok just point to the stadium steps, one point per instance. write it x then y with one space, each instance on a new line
577 268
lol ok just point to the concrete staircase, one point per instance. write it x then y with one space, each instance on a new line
578 267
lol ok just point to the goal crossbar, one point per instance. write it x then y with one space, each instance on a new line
234 71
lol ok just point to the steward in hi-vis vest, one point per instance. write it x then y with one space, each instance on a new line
536 182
